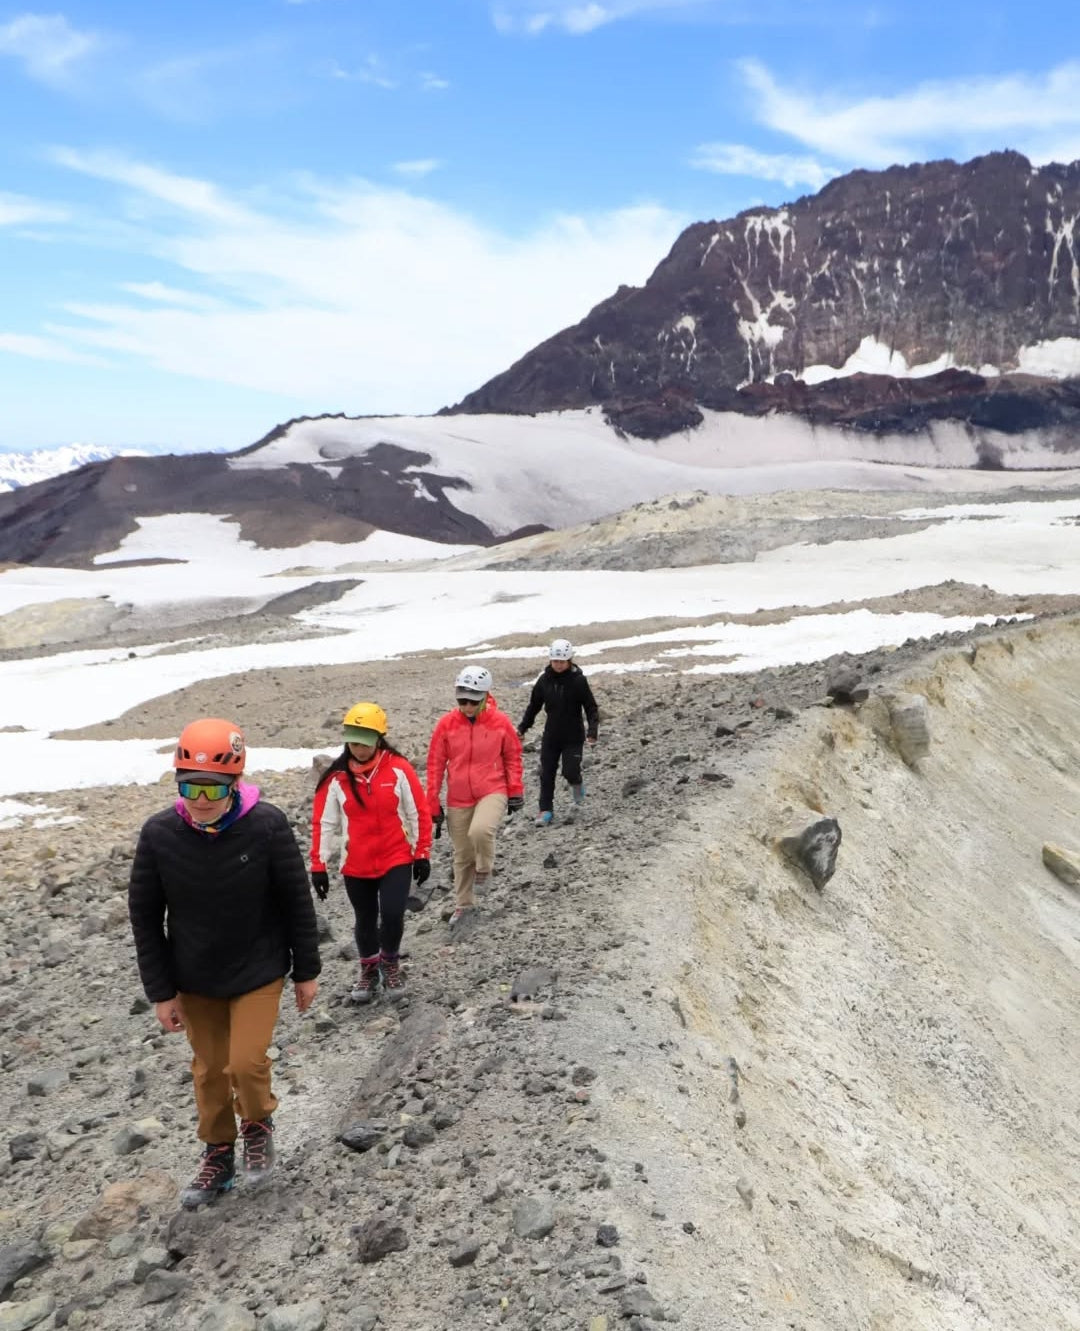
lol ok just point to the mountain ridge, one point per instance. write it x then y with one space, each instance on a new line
940 266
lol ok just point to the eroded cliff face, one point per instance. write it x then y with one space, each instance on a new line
862 1097
941 265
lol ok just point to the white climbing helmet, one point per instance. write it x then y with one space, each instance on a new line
474 682
561 650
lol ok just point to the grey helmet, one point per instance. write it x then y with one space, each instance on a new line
561 650
474 681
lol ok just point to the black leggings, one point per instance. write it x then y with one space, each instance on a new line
375 897
554 749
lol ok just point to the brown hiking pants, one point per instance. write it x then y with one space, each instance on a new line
229 1038
472 832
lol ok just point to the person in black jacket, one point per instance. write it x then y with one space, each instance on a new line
563 692
221 912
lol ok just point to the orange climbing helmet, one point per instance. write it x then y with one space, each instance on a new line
211 745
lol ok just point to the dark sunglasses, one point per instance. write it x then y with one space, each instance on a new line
213 790
470 702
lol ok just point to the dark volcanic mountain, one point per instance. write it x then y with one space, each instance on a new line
966 265
68 519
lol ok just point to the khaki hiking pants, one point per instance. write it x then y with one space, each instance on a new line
229 1038
472 833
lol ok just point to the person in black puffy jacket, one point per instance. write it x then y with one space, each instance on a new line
564 693
221 913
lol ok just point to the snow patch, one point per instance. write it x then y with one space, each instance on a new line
874 357
1058 358
199 539
34 758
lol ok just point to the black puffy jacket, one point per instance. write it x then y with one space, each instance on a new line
221 915
564 695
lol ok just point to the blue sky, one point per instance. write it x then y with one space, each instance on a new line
214 217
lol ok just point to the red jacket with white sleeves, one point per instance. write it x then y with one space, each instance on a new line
477 758
388 825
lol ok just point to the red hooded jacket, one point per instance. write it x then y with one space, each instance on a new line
477 758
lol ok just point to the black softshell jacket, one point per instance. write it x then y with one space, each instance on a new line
221 915
564 695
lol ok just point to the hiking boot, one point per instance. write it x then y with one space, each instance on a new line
217 1174
392 978
460 915
545 818
258 1137
578 793
367 986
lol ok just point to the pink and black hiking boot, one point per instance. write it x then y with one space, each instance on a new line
367 986
392 978
217 1174
258 1138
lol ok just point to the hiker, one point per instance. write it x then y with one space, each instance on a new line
477 750
221 913
370 800
564 693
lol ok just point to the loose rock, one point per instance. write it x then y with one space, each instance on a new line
534 1218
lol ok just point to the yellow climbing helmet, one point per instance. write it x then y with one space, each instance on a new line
361 720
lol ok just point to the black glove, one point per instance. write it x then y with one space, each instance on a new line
514 803
320 881
421 871
437 822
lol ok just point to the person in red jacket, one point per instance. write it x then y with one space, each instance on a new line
371 802
476 749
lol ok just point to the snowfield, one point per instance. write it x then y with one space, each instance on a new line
402 606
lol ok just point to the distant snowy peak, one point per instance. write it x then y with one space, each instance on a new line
19 469
963 276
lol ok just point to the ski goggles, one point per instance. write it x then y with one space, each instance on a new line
212 790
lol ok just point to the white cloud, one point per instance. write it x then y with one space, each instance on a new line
737 159
182 192
47 45
532 17
373 71
422 166
1037 114
358 297
161 294
17 209
43 348
584 18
